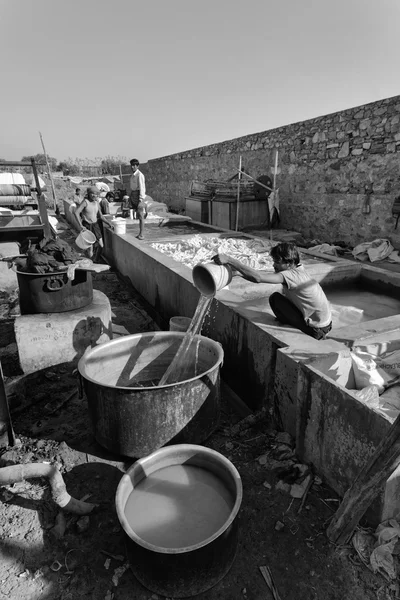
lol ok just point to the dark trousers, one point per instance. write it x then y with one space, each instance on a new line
286 312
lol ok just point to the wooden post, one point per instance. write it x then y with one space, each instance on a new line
53 189
7 437
42 203
238 193
366 486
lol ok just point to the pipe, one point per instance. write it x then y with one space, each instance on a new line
17 473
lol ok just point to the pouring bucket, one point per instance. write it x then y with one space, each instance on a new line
210 278
85 239
179 323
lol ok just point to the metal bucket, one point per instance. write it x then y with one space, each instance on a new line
182 572
209 278
133 417
179 323
53 292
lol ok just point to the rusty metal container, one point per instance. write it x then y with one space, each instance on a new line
53 292
130 413
182 572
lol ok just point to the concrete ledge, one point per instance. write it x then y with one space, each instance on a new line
44 340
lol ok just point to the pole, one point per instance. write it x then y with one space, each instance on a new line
51 176
238 193
7 437
42 203
254 179
366 486
273 191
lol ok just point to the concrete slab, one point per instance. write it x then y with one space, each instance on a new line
8 277
44 340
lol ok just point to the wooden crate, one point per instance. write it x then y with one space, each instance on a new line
251 213
197 209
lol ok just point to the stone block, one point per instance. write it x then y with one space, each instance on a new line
344 150
44 340
357 151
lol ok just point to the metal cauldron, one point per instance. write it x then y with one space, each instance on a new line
53 292
182 572
133 416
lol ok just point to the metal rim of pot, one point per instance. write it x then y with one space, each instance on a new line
179 334
126 481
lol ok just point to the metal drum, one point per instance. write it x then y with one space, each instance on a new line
53 292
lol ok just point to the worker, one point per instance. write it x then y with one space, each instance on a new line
88 215
77 198
303 304
138 192
105 203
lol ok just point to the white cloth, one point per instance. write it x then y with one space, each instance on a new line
377 250
273 202
137 182
307 295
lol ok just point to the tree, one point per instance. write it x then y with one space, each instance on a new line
110 164
40 159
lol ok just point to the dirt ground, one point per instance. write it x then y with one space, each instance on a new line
303 563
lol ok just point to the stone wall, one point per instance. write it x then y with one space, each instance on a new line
327 165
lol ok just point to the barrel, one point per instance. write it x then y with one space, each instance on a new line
53 292
181 572
131 415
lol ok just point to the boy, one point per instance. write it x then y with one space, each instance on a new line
138 193
303 303
91 219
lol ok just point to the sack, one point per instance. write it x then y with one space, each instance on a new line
375 370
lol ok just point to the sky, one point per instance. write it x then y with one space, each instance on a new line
146 79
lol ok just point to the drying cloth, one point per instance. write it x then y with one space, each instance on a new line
273 205
197 249
16 200
326 249
14 190
84 263
377 250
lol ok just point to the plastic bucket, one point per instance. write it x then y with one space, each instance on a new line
85 239
179 323
119 225
210 278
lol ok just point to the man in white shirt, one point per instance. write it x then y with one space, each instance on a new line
137 195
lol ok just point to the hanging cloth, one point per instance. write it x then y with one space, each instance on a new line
273 205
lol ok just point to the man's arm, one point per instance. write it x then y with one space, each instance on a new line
78 213
247 272
142 187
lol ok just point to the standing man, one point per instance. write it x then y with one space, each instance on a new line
137 196
88 216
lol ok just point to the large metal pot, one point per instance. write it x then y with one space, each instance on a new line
182 572
53 292
132 416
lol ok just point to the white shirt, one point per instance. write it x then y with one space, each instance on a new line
137 182
307 295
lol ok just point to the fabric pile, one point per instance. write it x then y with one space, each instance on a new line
49 256
198 249
379 249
